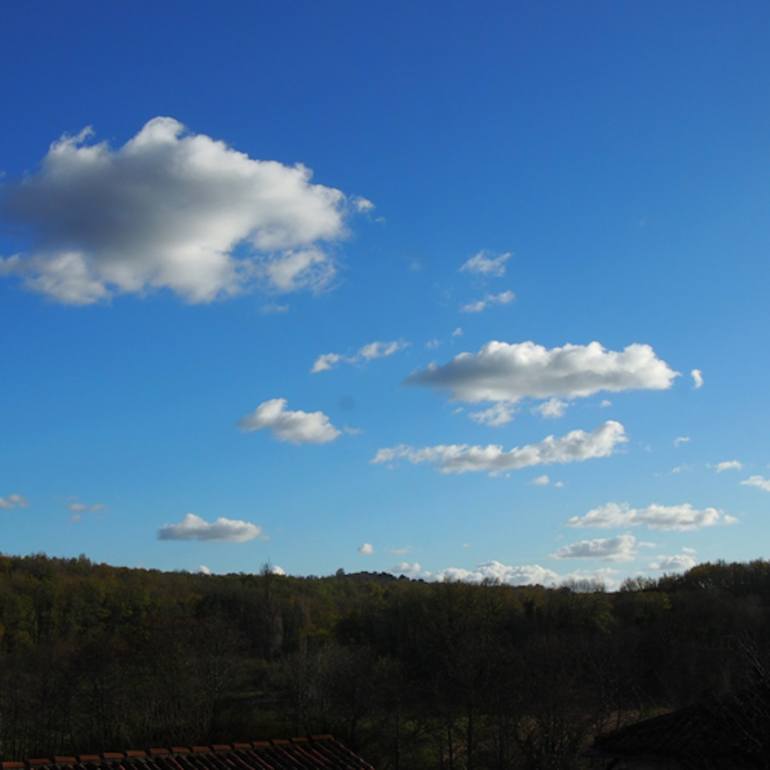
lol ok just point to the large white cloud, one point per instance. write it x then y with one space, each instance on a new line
296 427
575 446
367 352
14 500
170 209
728 465
620 548
193 527
502 371
680 517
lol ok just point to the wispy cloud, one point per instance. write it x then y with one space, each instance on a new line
482 263
576 446
368 352
479 305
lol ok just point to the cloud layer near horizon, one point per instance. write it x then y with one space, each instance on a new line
169 209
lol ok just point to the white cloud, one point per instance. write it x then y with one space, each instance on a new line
503 298
552 408
410 569
368 352
13 501
576 446
682 517
675 563
728 465
276 570
171 210
193 527
541 481
760 482
296 427
605 403
458 332
679 440
697 378
496 415
484 264
366 549
515 575
78 507
362 205
433 344
509 372
204 570
273 309
620 548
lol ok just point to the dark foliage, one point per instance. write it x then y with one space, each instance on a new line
411 674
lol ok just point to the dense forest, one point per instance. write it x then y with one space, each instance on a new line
412 674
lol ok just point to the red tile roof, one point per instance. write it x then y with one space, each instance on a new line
319 752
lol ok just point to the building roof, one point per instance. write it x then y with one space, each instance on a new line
728 733
318 752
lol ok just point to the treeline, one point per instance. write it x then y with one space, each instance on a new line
411 674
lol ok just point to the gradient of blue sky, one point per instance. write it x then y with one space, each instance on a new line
620 151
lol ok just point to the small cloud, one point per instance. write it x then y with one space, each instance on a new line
13 501
558 484
552 408
495 416
676 563
296 427
674 518
541 481
620 548
401 551
193 527
458 332
760 482
368 352
415 265
204 570
366 549
605 404
697 378
362 205
273 309
680 440
78 507
728 465
410 569
503 298
432 344
276 570
351 431
482 263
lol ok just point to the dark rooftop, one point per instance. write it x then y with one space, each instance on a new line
314 753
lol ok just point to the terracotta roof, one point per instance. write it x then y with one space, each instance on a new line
727 733
318 752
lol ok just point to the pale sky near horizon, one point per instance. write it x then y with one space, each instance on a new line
448 289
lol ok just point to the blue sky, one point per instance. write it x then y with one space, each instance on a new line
163 282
